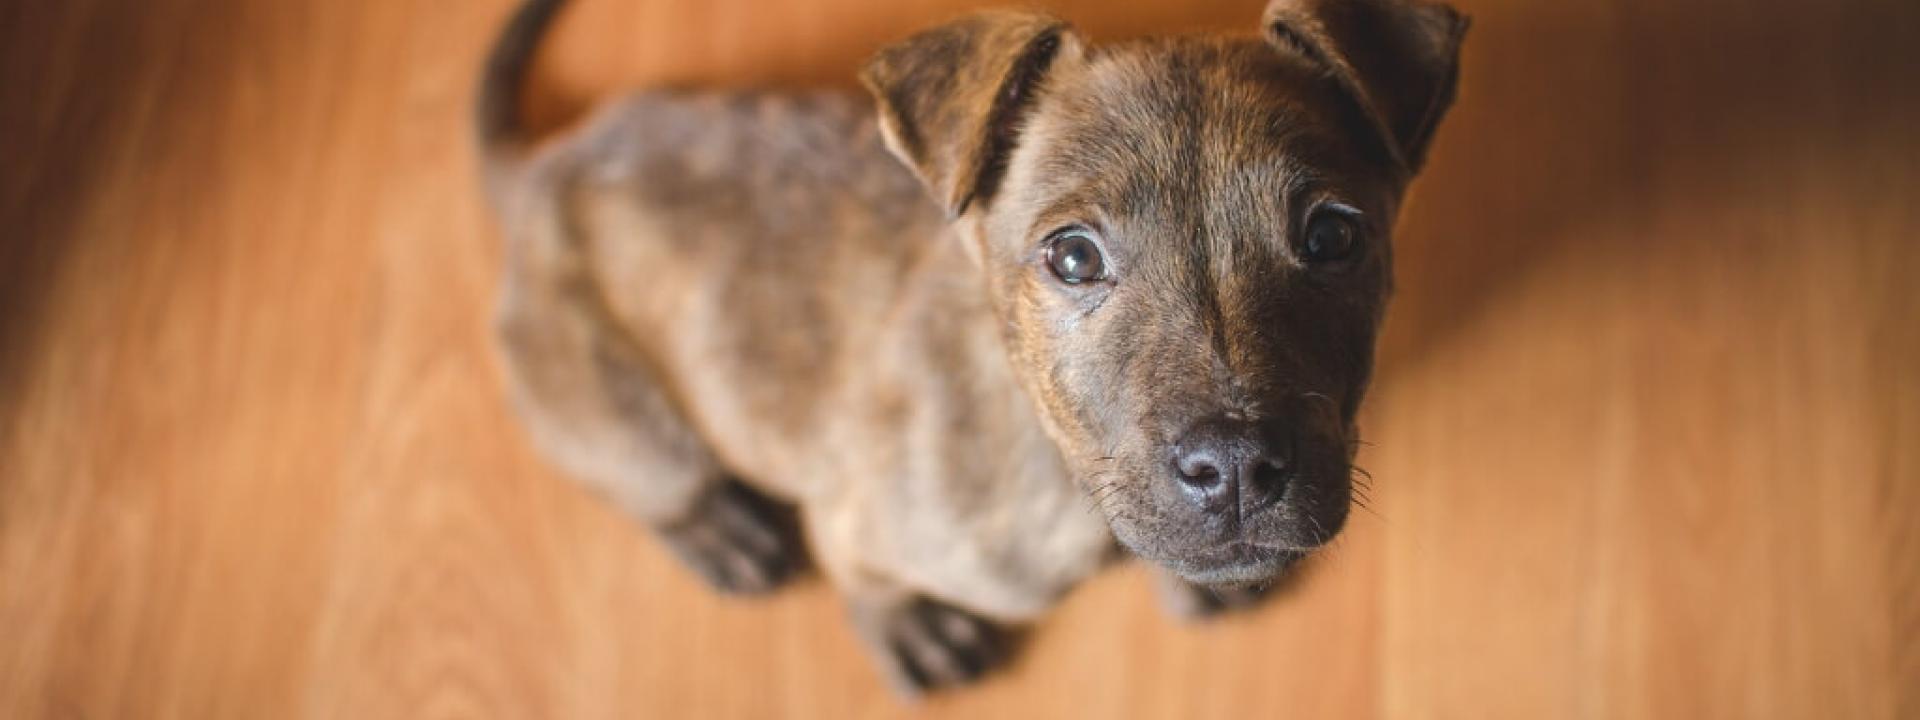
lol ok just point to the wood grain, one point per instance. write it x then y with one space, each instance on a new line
1647 428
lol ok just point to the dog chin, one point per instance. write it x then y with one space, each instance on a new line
1240 564
1231 564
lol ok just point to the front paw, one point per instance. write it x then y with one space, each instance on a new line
923 644
735 541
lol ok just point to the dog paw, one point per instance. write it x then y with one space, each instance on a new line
1188 601
734 539
924 644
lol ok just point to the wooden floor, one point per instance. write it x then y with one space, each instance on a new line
1647 429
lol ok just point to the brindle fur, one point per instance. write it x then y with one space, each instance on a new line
712 299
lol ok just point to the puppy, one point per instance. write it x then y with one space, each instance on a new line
1141 307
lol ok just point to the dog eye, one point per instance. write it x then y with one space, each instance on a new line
1075 258
1331 236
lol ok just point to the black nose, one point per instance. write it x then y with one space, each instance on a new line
1224 465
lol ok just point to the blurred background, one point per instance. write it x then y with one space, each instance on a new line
1646 432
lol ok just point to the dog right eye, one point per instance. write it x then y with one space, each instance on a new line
1075 257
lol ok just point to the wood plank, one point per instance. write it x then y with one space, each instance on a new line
1645 428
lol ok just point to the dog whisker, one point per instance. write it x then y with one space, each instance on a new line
1101 494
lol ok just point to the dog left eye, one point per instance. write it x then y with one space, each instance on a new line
1331 235
1075 257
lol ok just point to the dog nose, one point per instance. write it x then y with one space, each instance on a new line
1223 465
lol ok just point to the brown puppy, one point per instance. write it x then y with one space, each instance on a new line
1141 306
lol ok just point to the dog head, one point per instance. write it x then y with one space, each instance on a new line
1187 243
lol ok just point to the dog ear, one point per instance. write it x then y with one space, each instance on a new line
952 98
1397 58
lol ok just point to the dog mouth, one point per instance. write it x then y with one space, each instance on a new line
1237 560
1229 549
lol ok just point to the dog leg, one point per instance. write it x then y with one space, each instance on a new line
594 407
920 643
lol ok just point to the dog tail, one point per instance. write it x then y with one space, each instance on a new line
496 113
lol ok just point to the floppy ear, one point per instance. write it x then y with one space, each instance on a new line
1398 58
952 98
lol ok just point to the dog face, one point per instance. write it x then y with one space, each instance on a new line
1187 243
